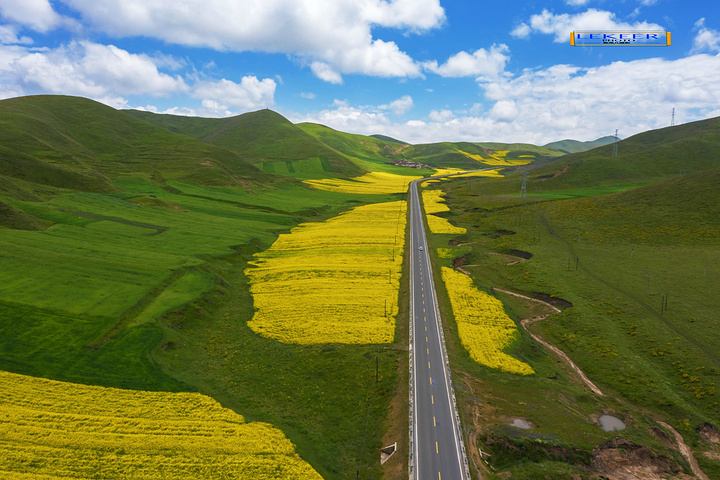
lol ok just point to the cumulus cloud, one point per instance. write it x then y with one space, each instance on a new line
485 63
399 106
440 115
36 14
109 74
325 72
102 72
562 101
248 94
332 38
9 36
561 25
706 39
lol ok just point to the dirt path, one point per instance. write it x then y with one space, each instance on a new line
686 452
527 321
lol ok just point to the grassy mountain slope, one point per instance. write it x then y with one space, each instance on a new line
687 148
77 144
638 276
574 146
262 137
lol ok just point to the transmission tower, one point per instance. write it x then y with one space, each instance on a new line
672 120
614 154
523 188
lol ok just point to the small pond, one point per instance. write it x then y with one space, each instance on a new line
610 423
520 423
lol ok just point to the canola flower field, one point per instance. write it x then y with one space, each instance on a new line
495 173
332 282
484 328
497 158
51 429
370 183
433 202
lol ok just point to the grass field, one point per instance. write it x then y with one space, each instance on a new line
639 268
144 289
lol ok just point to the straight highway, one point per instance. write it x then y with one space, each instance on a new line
436 446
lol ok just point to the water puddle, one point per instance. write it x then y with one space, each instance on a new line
520 423
610 423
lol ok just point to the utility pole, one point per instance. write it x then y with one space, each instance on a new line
614 154
672 119
523 188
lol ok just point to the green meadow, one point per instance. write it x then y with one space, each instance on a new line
640 268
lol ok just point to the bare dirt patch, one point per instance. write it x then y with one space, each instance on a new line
621 459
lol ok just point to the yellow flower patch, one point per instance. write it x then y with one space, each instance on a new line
371 183
51 429
433 202
484 328
496 158
332 282
447 171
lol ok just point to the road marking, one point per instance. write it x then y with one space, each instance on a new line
436 449
430 380
428 351
426 340
432 399
434 424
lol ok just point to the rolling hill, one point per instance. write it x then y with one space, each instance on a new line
655 154
574 146
263 137
57 143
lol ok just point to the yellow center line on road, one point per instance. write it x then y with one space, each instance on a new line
428 351
428 364
432 399
434 424
436 449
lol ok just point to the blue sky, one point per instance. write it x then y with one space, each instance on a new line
418 70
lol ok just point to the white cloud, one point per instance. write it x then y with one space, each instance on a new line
440 115
399 106
562 101
333 38
308 95
486 63
102 72
36 14
325 72
248 94
561 25
504 111
706 39
8 36
577 2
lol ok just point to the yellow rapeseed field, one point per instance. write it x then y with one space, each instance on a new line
494 173
447 171
433 202
484 328
332 282
496 158
370 183
51 429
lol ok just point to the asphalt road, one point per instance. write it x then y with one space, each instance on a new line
436 446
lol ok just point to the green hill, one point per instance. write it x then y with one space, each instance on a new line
385 138
70 143
265 138
574 146
643 158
